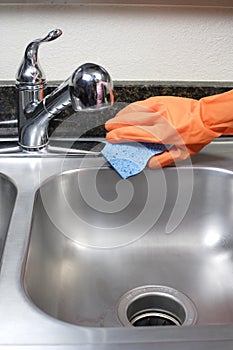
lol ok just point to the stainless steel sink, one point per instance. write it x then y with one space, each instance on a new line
90 261
98 243
8 194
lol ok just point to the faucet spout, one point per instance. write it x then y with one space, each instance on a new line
88 88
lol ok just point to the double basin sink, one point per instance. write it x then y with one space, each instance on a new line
90 261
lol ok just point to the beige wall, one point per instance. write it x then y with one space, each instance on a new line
133 43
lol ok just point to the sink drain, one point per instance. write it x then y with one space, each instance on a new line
147 319
155 306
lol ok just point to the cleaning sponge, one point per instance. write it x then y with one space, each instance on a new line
130 158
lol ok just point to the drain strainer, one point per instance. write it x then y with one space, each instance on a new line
155 306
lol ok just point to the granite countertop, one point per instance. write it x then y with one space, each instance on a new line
68 124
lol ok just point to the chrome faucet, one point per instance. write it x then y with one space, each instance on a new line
88 88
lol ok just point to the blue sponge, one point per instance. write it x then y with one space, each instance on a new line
130 158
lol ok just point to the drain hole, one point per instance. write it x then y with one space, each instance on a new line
155 306
152 319
155 310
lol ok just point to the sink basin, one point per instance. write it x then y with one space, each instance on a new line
8 194
102 249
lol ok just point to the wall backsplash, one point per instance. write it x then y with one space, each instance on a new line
79 124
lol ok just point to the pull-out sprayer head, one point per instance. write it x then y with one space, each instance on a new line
88 88
91 88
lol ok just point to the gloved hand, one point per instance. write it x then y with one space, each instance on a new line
185 123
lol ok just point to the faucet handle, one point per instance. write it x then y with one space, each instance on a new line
30 72
54 34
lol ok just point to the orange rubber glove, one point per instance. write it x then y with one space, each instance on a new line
186 124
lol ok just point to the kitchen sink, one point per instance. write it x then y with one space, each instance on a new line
92 261
8 193
156 249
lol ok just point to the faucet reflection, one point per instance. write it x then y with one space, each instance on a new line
88 88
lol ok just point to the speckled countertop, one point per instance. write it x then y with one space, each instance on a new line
70 124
